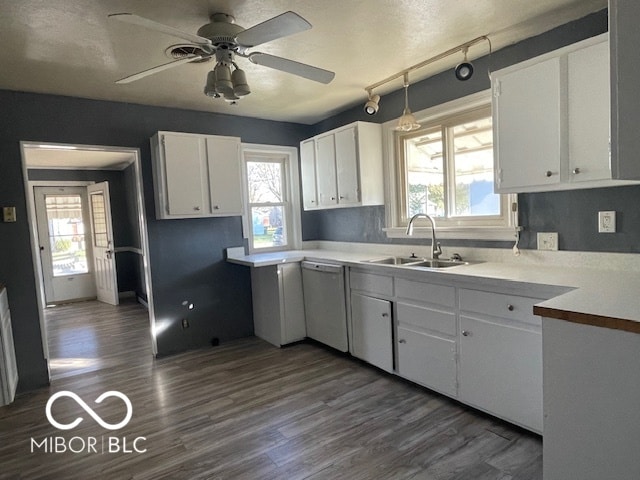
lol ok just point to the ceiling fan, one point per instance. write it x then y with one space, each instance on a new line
221 39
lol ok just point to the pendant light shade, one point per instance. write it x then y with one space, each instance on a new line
240 85
407 122
223 79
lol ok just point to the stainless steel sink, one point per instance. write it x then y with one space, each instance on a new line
418 262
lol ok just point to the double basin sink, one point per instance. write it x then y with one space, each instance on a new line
418 262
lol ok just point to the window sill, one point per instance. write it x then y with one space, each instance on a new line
457 233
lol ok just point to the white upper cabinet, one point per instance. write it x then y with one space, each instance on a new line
527 124
196 175
308 171
588 112
551 120
343 167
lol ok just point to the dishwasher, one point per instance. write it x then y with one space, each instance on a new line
324 304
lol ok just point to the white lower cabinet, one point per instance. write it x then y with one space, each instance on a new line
426 340
372 330
278 303
500 368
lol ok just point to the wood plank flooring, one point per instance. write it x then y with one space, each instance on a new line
247 410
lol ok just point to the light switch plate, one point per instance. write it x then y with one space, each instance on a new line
607 222
8 214
547 240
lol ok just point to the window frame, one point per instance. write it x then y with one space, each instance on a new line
481 227
290 194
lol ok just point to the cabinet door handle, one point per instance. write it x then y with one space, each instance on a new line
197 209
402 340
216 207
548 173
510 308
576 171
465 333
385 314
333 198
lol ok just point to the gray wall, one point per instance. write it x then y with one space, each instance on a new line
186 255
572 213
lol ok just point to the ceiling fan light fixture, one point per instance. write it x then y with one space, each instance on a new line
372 105
210 86
407 122
239 81
223 84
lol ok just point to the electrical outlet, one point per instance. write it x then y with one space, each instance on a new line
547 240
606 222
185 323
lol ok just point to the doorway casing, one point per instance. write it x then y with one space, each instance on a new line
132 156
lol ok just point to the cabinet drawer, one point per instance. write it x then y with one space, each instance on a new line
426 292
369 282
500 305
426 318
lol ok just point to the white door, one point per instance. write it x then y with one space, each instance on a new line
65 250
104 259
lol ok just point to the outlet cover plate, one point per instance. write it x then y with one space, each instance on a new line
547 240
607 222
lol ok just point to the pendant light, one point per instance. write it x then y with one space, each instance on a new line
407 122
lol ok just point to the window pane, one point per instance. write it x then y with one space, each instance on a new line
66 234
268 226
473 170
264 182
425 174
98 213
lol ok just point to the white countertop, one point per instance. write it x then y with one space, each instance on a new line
587 292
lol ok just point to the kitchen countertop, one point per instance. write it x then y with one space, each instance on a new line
603 298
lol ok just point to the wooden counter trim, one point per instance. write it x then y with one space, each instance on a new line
589 319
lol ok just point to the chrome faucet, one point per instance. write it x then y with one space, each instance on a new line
436 251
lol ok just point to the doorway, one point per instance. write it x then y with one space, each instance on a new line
68 190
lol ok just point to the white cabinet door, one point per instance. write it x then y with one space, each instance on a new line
347 166
500 370
527 126
589 113
308 173
185 174
371 330
428 360
225 180
326 170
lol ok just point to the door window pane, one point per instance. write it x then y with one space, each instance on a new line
425 174
100 238
473 170
66 234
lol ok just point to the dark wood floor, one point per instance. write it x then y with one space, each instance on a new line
246 410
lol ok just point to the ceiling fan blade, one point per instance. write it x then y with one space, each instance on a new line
283 25
159 68
159 27
290 66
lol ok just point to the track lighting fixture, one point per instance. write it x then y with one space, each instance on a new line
371 107
407 122
464 70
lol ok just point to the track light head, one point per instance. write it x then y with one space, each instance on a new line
464 71
371 107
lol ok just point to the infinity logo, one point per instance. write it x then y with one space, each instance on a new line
89 410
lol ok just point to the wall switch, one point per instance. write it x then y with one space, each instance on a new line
185 323
547 240
8 214
606 222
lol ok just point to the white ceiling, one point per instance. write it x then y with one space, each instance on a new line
69 47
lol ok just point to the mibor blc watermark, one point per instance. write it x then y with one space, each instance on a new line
78 444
